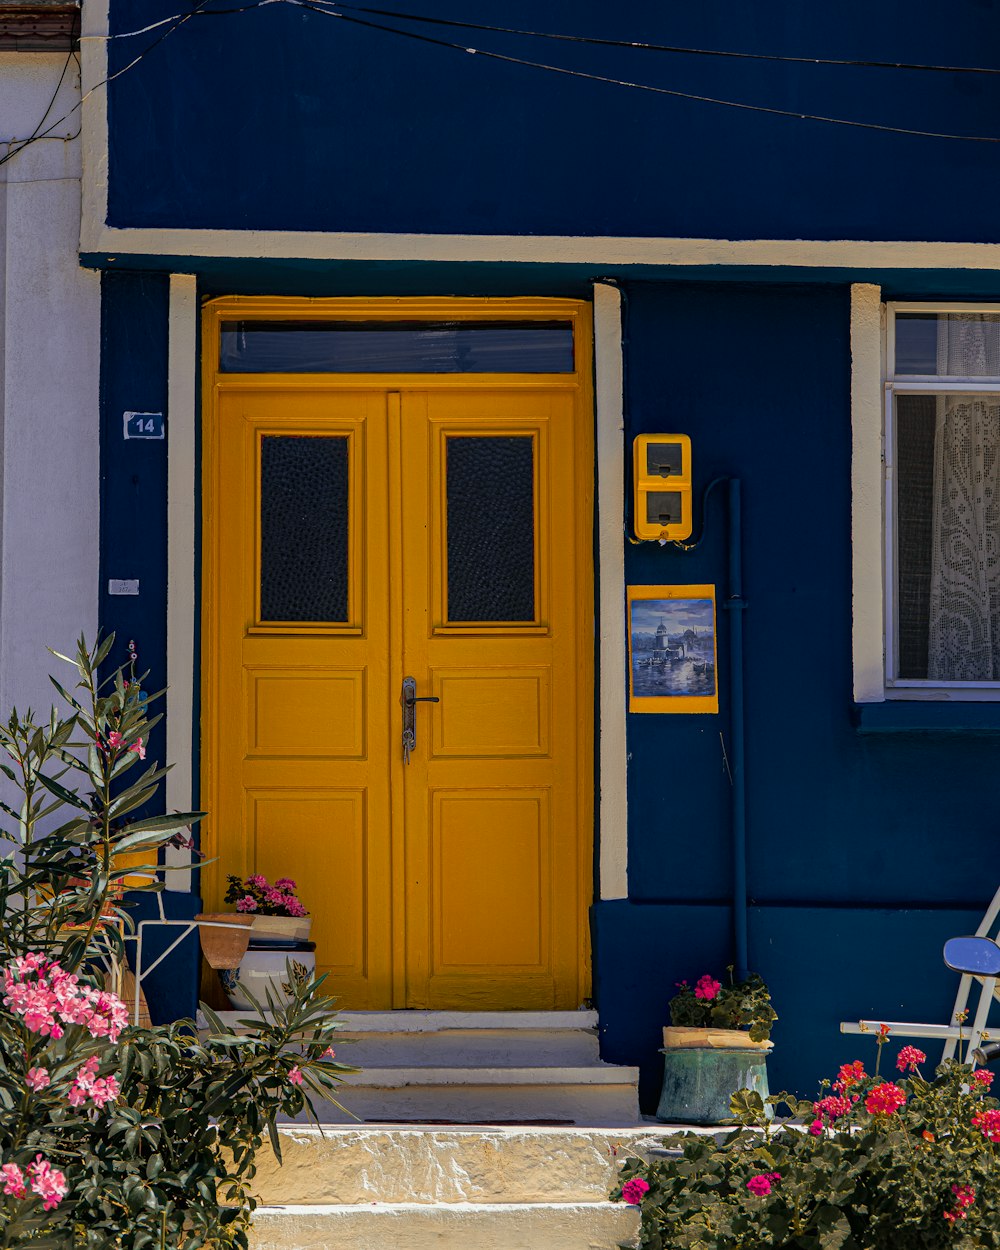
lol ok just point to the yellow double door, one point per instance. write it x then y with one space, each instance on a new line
370 548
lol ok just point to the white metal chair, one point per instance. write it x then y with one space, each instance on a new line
958 1030
160 921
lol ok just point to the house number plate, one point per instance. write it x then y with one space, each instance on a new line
144 425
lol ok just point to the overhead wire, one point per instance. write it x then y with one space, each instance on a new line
665 47
334 10
35 134
348 12
39 134
596 41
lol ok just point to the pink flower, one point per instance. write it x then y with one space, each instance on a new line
329 1053
37 1078
635 1190
294 907
114 741
982 1077
849 1074
87 1084
257 882
104 1090
760 1185
139 749
707 987
965 1195
246 903
46 998
816 1128
910 1057
988 1122
885 1099
286 883
295 1075
46 1182
833 1107
13 1180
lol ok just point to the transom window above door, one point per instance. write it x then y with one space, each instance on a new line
942 499
396 347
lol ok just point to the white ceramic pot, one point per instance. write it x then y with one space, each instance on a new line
264 970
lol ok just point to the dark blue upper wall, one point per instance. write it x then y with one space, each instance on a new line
286 119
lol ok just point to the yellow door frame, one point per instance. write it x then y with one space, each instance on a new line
580 383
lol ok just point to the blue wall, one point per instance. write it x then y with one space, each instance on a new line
134 323
841 825
282 118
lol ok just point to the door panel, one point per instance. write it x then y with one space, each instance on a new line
301 717
491 792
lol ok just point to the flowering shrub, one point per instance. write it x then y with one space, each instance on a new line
710 1004
112 1135
257 896
908 1165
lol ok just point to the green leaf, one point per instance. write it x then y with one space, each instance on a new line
61 792
747 1106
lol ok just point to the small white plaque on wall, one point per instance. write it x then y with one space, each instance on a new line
123 586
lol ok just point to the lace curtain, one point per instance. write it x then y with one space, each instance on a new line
964 626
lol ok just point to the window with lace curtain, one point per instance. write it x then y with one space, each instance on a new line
942 460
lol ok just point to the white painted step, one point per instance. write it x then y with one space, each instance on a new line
469 1038
347 1165
455 1226
595 1094
442 1039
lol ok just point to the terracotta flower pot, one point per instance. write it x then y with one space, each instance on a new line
224 947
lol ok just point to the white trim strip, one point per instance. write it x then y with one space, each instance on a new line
610 447
597 250
182 379
866 490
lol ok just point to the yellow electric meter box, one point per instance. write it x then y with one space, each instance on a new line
661 472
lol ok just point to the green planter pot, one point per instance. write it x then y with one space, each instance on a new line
700 1078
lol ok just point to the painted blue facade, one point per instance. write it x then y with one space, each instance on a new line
287 119
870 831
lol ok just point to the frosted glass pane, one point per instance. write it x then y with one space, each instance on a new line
303 528
491 529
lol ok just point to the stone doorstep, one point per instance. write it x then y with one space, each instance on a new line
402 1077
439 1021
412 1226
359 1165
596 1095
359 1022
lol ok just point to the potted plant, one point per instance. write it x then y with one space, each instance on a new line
717 1042
274 953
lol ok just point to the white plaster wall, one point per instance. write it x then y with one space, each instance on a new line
49 377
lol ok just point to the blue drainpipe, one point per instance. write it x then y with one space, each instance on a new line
736 604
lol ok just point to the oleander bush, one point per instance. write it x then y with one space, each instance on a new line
872 1165
113 1135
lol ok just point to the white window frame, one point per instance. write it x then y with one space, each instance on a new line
918 384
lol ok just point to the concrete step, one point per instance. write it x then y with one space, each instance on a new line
469 1038
412 1226
596 1094
343 1166
454 1039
